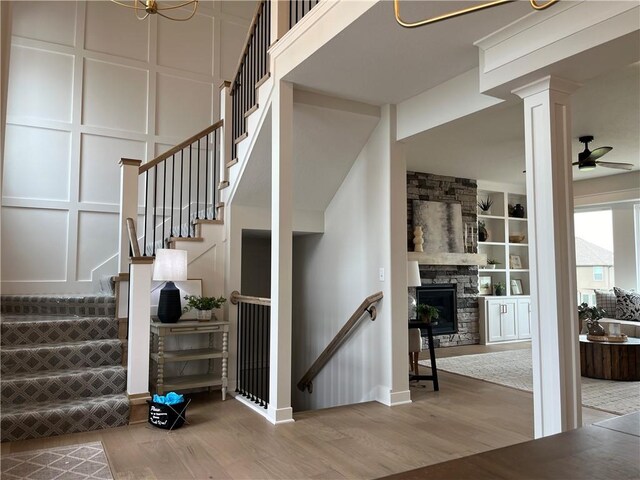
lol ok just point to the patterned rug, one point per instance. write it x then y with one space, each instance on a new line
512 368
75 462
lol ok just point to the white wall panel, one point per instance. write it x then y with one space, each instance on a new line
40 84
99 169
53 22
116 30
36 163
115 96
97 240
234 36
183 106
188 45
34 244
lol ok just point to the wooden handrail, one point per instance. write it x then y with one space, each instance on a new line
133 238
237 298
252 26
367 306
180 146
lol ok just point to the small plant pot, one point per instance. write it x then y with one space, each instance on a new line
485 212
204 315
491 266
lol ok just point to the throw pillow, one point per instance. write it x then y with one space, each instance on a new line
606 300
627 304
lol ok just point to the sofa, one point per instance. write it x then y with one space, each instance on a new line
623 307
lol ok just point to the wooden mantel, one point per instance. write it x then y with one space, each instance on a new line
479 259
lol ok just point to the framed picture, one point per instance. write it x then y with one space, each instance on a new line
516 286
515 262
485 286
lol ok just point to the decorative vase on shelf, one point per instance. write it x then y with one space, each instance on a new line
203 315
595 328
483 235
418 239
518 211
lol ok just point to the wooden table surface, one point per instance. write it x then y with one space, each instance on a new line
606 450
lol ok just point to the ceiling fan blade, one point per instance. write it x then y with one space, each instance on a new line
575 163
599 152
619 166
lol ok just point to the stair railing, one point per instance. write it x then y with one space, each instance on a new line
254 333
298 9
252 70
367 306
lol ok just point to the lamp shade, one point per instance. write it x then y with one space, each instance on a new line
170 264
413 274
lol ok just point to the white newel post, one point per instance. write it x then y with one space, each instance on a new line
555 347
128 207
226 130
281 252
139 330
279 19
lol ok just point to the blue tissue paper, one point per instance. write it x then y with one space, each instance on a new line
170 398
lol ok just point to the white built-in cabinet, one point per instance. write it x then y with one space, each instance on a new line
504 319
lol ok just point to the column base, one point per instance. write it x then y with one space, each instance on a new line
138 407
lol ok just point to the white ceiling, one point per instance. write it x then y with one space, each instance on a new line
489 145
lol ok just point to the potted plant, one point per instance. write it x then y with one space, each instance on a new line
491 263
592 315
483 235
203 305
427 313
485 206
500 288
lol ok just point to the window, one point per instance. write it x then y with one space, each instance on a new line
598 274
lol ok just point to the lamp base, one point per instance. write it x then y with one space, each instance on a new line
169 307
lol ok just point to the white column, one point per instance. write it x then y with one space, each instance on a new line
624 249
128 207
555 348
227 136
281 252
139 324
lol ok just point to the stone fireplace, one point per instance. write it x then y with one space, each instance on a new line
464 278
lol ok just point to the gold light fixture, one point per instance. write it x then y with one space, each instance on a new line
457 13
149 7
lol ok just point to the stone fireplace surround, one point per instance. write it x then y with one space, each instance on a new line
425 186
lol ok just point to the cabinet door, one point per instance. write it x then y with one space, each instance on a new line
508 320
524 318
494 323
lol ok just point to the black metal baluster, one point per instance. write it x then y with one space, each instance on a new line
198 184
155 207
216 169
267 359
181 185
146 213
206 179
164 197
245 320
173 186
255 353
189 197
238 351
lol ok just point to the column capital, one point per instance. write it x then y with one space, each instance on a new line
547 83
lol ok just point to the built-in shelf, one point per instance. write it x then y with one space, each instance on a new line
518 219
497 217
491 243
423 258
518 244
493 269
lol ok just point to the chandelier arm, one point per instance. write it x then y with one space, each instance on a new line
172 7
494 3
179 19
535 5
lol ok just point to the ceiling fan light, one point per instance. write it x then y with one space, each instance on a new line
586 166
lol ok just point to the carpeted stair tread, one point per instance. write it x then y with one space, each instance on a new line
52 356
32 329
83 305
24 388
43 419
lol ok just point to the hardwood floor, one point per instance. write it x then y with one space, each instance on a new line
368 440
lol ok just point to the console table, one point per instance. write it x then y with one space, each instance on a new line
427 330
610 360
160 356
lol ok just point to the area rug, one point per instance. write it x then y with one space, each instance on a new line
74 462
512 368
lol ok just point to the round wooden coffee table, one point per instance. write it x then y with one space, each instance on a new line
610 360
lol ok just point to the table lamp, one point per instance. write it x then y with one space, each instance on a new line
413 280
170 265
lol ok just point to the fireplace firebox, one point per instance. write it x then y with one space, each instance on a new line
444 297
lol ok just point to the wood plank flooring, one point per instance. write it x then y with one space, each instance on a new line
368 440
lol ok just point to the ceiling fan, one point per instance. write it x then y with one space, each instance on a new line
588 160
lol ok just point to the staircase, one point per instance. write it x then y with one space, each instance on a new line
61 364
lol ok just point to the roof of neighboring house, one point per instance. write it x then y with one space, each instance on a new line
590 254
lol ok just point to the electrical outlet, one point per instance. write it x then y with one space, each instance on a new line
381 274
